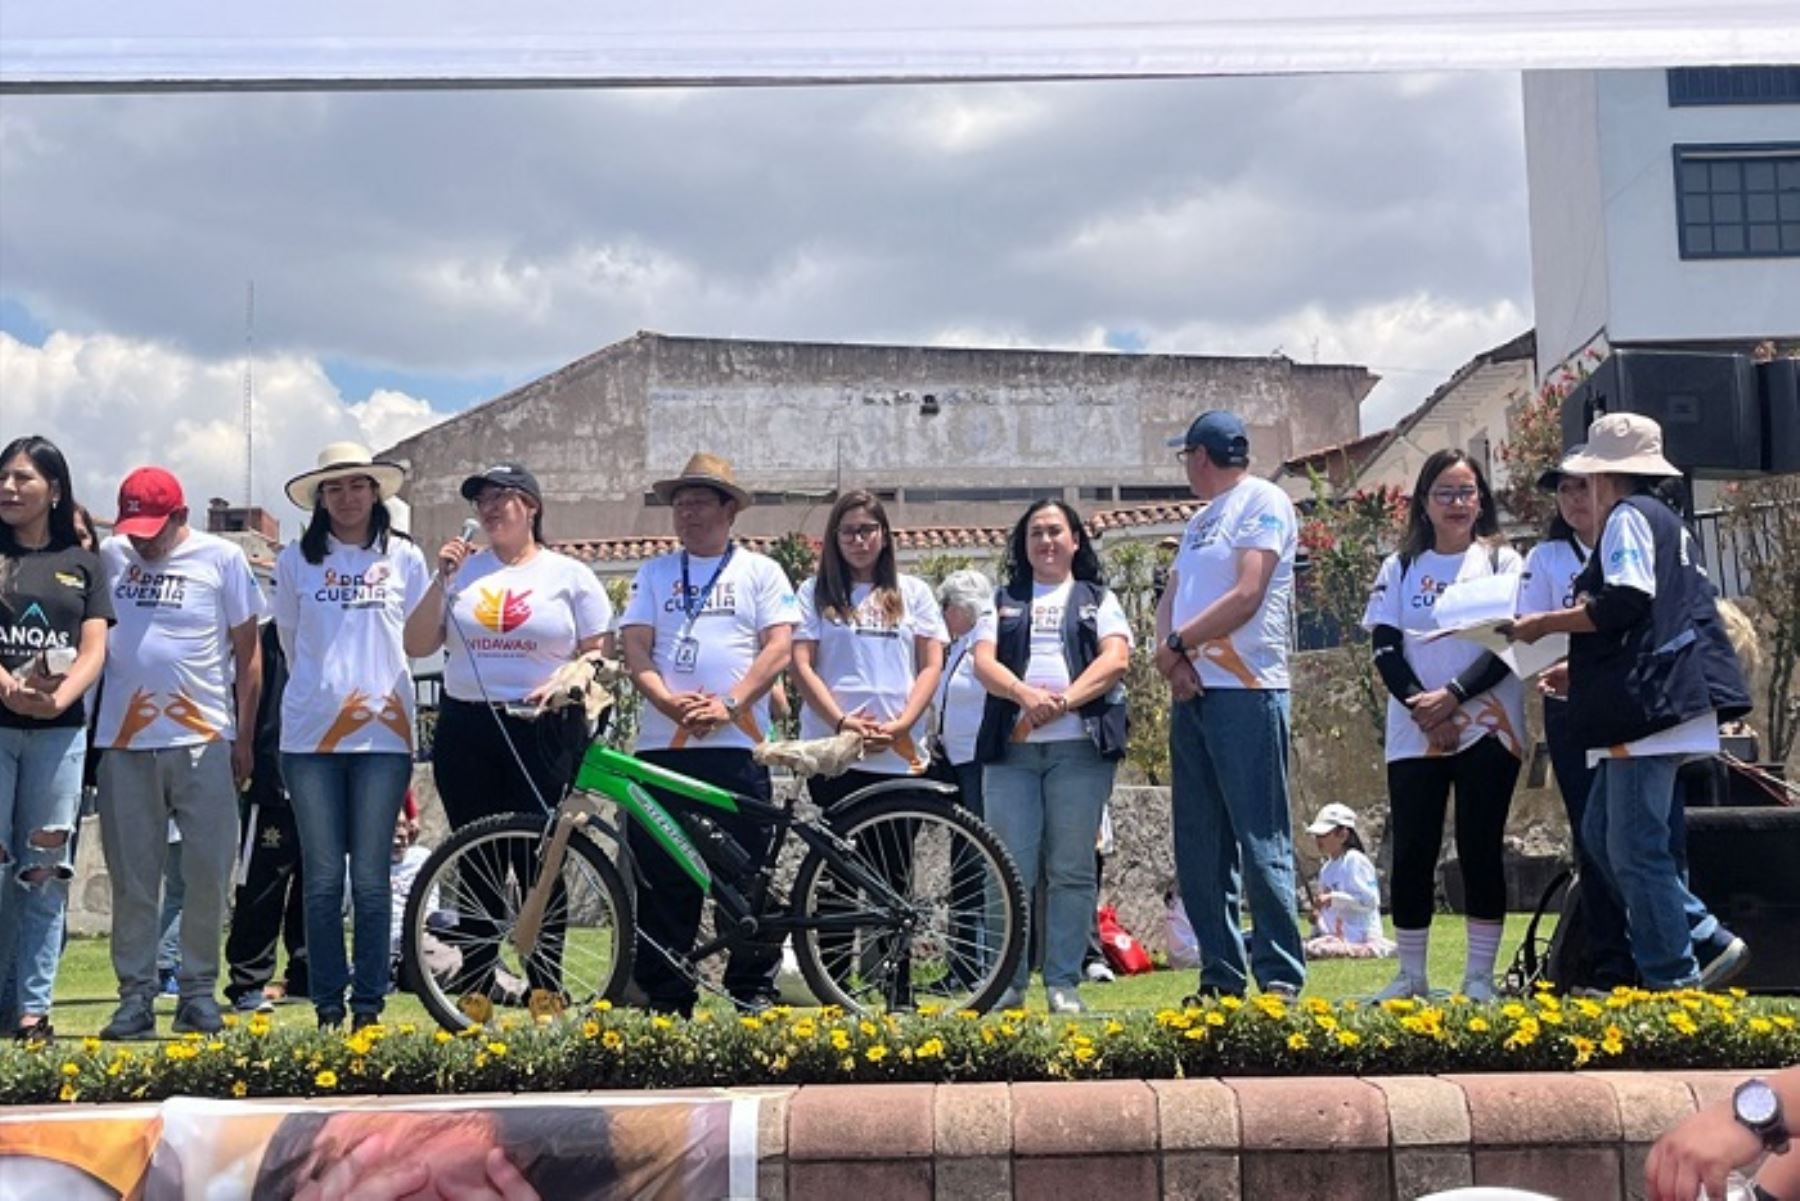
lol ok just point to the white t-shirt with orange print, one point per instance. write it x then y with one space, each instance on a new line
349 688
514 626
169 669
1251 515
870 662
1406 598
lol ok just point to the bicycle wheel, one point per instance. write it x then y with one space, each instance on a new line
457 951
953 937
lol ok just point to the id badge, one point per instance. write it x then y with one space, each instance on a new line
687 655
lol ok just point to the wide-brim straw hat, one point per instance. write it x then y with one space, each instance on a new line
708 471
1621 444
341 460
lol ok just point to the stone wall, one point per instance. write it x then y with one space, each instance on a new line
1382 1138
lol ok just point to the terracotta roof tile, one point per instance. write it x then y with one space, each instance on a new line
918 538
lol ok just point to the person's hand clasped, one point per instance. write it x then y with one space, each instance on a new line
703 714
380 1169
1184 681
1039 706
1444 737
1430 709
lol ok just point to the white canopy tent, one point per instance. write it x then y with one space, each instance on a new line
204 44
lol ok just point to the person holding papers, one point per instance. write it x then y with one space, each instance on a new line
1647 684
1455 719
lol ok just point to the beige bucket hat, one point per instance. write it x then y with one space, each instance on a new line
708 470
340 460
1622 444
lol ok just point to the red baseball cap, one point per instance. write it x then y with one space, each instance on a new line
146 499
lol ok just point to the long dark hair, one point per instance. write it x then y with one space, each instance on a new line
53 467
1084 566
832 591
316 541
1419 536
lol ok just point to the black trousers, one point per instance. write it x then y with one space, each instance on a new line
1483 776
669 903
477 776
268 908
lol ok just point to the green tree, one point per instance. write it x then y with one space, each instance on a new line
1132 569
1763 518
622 725
1534 445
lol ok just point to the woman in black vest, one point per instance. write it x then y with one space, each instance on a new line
1052 657
1644 687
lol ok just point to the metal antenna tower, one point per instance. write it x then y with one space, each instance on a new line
249 386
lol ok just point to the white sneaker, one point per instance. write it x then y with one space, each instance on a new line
1403 987
1479 988
1097 972
1065 1001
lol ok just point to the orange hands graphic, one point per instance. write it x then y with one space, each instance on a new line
184 712
352 716
140 713
393 716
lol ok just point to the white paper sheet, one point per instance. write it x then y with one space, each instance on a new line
1477 610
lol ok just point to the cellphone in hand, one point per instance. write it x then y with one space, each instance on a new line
51 661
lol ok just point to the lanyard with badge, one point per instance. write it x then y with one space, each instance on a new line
687 647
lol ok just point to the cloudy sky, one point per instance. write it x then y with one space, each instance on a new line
416 252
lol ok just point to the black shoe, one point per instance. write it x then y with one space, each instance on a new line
39 1031
360 1020
331 1019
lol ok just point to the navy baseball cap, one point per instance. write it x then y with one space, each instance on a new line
503 475
1221 434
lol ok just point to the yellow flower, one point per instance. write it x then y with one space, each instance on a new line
440 1036
497 1050
1318 1006
662 1023
1782 1020
1083 1054
876 1053
1761 1026
805 1028
929 1010
1478 1025
1683 1024
868 1028
931 1048
1214 1018
840 1041
1297 1041
1348 1038
1513 1010
326 1079
1114 1026
1613 1041
750 1022
1584 1049
1399 1005
68 1092
1232 1003
239 1089
1195 1033
1325 1023
612 1040
601 1006
407 1028
90 1044
71 1069
590 1029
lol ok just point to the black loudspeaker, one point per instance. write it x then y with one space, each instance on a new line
1781 414
1707 405
1745 864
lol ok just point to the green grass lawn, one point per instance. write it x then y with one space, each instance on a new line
86 992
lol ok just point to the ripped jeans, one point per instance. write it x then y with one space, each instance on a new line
40 798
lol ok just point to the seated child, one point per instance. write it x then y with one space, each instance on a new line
1347 913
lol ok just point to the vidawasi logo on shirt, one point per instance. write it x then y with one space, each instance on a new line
502 609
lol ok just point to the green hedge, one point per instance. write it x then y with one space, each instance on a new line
605 1048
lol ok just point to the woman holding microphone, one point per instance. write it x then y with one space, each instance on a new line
507 617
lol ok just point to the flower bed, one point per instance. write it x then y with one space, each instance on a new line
606 1048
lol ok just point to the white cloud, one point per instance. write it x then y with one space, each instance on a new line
115 403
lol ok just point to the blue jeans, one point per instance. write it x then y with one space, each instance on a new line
1229 751
40 797
1044 799
1627 827
346 805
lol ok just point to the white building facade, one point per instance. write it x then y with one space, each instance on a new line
1665 208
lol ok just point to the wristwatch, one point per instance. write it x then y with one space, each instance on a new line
1174 642
1758 1109
731 705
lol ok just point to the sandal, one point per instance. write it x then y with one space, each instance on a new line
39 1031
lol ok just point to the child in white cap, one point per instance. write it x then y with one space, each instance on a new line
1347 916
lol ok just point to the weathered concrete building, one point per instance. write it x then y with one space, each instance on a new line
949 437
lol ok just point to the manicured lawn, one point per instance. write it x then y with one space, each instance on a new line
86 993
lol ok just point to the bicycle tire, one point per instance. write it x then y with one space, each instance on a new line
521 838
973 978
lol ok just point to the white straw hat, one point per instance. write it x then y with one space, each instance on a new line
1621 444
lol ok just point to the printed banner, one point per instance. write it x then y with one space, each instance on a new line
598 1146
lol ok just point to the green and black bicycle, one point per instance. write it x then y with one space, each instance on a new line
897 898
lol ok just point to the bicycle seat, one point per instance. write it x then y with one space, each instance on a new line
810 757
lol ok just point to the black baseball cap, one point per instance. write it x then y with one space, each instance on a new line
503 475
1223 436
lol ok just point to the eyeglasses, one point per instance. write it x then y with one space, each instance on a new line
859 533
1455 496
493 498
